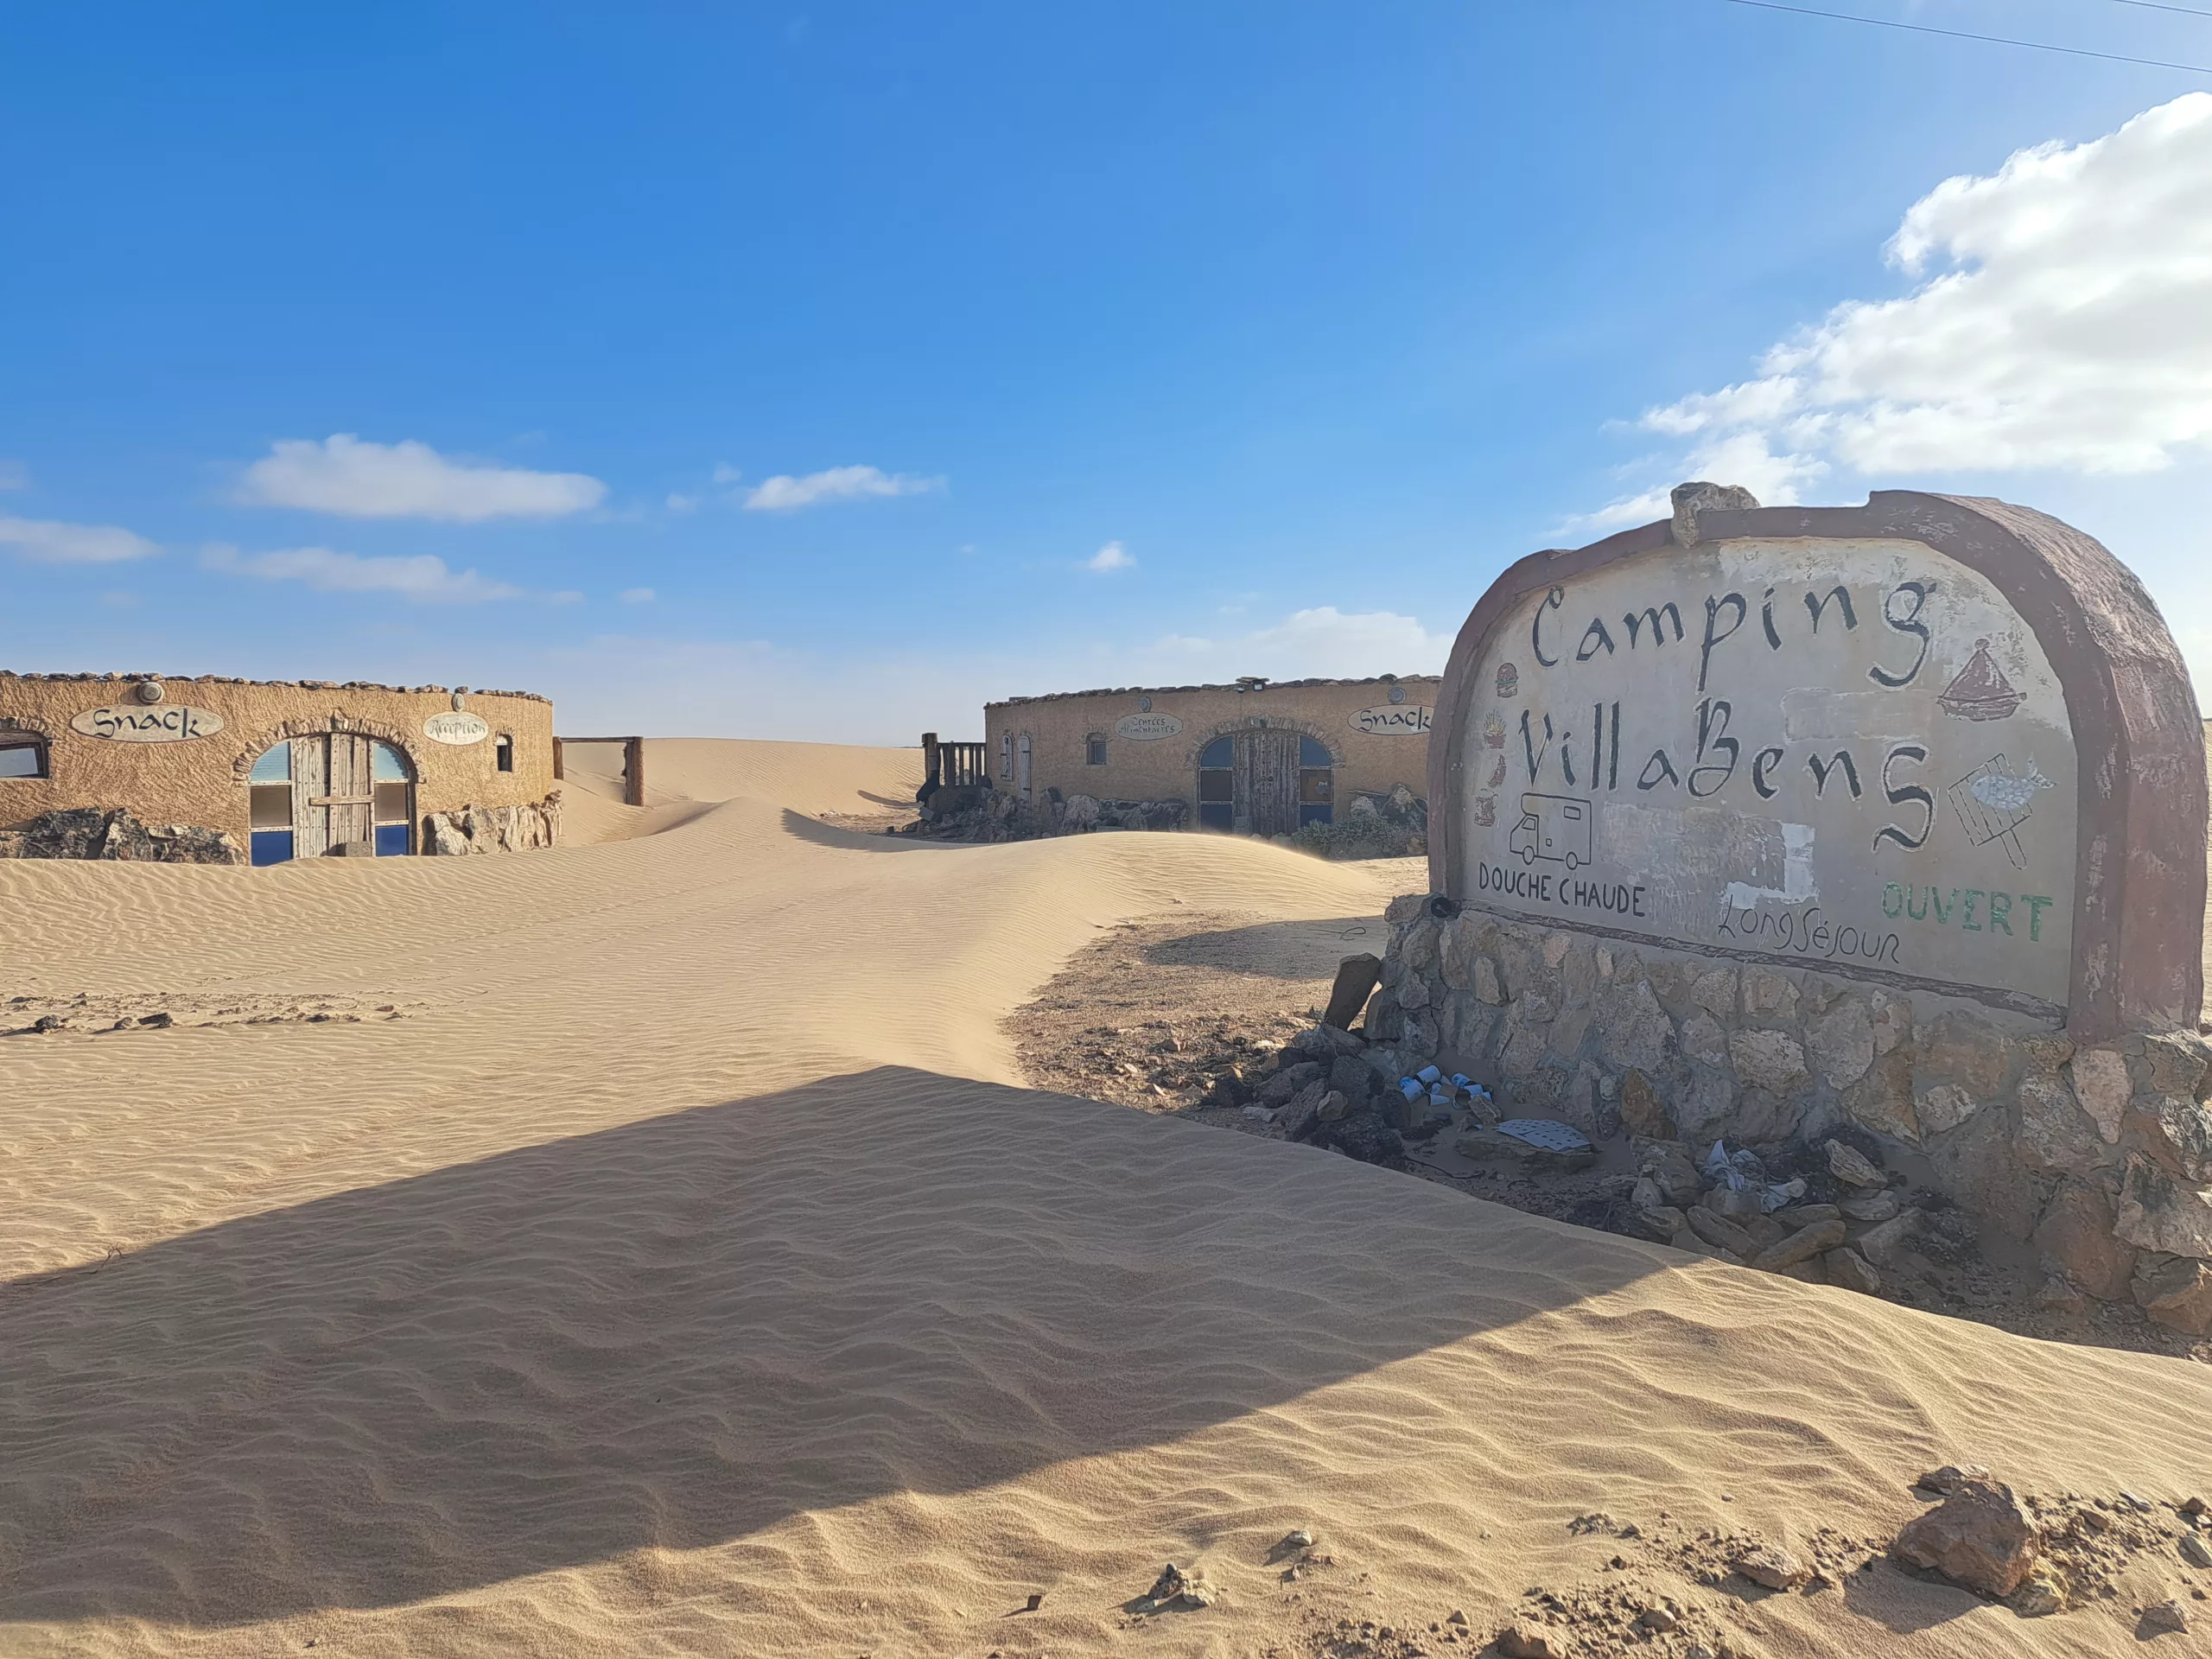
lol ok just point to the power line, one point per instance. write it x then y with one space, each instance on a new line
2159 5
1962 34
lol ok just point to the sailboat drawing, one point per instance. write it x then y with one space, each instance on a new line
1981 691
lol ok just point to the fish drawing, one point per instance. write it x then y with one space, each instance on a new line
2003 794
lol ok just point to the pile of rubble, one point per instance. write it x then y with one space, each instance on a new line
1393 824
113 833
979 812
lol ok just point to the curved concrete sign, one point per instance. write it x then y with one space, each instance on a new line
1835 739
168 722
1146 728
458 727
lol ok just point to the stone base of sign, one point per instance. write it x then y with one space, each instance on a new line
113 832
2098 1156
494 829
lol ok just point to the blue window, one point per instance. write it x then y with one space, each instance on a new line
272 847
393 812
1316 782
268 794
1217 785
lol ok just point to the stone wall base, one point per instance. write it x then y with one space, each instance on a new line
978 812
113 832
493 829
2099 1156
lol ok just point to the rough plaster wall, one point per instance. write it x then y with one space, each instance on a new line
198 782
1167 768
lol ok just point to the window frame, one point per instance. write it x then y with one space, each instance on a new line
1094 749
13 738
503 752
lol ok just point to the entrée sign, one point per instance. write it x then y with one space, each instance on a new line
460 726
172 722
1146 728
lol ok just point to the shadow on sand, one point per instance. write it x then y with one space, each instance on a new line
687 1329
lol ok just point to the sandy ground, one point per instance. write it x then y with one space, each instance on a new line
676 1268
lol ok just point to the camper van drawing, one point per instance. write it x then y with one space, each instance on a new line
1551 826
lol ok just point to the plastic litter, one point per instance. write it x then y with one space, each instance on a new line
1541 1132
1410 1087
1430 1075
1741 1169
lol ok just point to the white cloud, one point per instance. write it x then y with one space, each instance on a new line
678 503
726 475
639 596
784 492
48 543
1109 558
408 480
2060 320
421 576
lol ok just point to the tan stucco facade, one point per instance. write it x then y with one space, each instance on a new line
1145 744
173 751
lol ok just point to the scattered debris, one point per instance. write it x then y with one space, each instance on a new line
1981 1537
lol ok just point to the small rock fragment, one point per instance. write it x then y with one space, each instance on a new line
1774 1567
1036 1601
1658 1619
1849 1270
2168 1618
2042 1595
2196 1551
1851 1166
1800 1246
1529 1642
1796 1215
1455 1617
1871 1206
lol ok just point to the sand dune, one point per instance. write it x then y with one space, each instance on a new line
680 1273
684 774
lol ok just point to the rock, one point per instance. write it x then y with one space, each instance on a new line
2178 1131
2058 1295
1720 1232
1851 1166
1766 1232
1772 1566
1528 1641
2041 1594
1333 1107
1772 1060
1180 1591
1659 1225
1352 1078
1801 1245
2158 1213
2196 1551
1704 1040
2101 1083
1715 991
1641 1112
2054 1134
1362 1136
1406 907
1691 1244
1951 1478
1456 1617
1734 1202
1796 1215
2168 1618
1669 1168
1870 1207
1944 1107
1487 988
1659 1619
1287 1082
1357 978
1841 1044
2076 1231
113 834
1769 993
1303 1110
1885 1244
1980 1537
1849 1270
2178 1294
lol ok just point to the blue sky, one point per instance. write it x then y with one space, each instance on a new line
821 372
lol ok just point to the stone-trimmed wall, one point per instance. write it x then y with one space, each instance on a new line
2100 1155
202 781
494 829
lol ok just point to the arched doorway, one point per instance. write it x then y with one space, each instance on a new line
330 793
1265 782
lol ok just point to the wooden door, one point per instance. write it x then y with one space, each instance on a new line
1267 778
351 790
310 793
